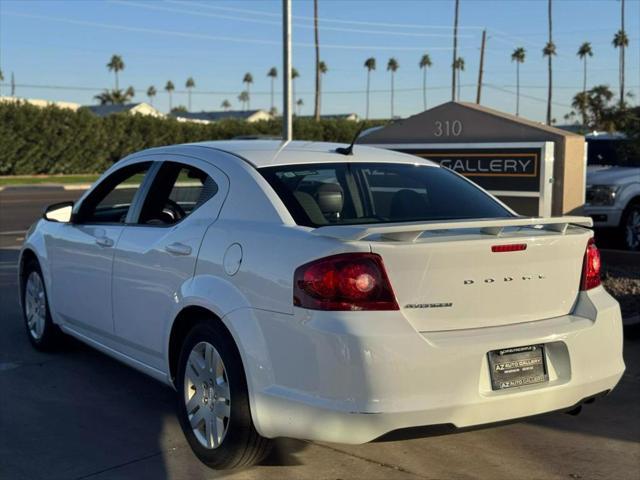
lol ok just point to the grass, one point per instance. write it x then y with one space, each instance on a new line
47 179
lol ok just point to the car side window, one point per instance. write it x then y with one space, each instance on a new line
112 198
177 191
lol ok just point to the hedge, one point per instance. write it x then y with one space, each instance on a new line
51 140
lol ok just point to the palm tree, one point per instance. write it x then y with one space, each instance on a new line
583 52
621 41
170 87
425 62
1 77
115 97
151 92
299 103
581 104
115 65
316 109
322 68
294 75
248 80
549 51
244 99
189 84
518 57
129 93
369 64
458 66
392 66
455 51
226 105
273 74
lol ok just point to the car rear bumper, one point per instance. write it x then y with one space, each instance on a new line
354 381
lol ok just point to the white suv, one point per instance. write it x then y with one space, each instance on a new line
613 190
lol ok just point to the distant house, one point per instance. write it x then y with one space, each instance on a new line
36 102
339 116
141 108
210 117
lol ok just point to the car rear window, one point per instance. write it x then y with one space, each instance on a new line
354 193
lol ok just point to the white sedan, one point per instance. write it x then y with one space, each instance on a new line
314 291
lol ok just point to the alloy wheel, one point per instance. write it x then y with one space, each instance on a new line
632 229
35 305
207 395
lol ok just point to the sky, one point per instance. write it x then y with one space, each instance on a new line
65 46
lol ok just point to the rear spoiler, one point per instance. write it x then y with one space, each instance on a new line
410 231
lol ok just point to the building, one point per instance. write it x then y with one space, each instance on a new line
353 117
141 108
210 117
36 102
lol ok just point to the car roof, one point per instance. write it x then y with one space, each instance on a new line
267 153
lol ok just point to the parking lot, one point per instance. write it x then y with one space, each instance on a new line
79 414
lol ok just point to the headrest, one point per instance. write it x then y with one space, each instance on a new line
330 198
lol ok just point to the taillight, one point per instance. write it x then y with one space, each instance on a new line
511 247
348 281
591 267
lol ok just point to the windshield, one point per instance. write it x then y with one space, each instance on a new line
353 193
615 152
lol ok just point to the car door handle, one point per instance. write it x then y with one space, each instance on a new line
104 241
178 249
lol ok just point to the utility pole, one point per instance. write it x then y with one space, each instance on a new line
455 53
480 71
13 85
316 112
287 114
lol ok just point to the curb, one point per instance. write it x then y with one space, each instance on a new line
67 187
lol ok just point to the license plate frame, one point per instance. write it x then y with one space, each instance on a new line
517 366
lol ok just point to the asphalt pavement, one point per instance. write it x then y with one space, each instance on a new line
77 414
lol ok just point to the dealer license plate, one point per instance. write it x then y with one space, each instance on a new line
517 366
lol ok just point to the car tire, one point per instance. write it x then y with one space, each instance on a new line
630 226
213 400
43 334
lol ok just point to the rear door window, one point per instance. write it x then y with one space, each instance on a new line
352 193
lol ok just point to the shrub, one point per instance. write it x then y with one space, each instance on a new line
53 140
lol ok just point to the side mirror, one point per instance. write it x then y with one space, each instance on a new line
59 212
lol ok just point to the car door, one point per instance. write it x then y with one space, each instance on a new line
157 254
82 252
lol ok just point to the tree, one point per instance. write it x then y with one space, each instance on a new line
151 92
392 66
621 41
170 87
226 105
115 97
1 78
190 84
130 93
549 51
272 74
583 52
458 66
425 62
179 109
322 68
455 52
248 80
316 109
244 99
299 104
518 56
115 65
369 64
294 75
595 109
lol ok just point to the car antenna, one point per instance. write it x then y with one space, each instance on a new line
349 150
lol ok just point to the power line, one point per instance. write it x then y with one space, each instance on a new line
214 37
279 24
322 19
